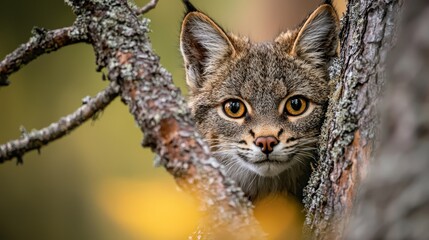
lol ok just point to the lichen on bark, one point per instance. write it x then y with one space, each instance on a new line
348 135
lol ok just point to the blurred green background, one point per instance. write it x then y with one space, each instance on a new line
98 182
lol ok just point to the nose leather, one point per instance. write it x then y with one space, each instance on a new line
266 143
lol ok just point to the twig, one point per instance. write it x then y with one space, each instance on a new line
146 8
42 41
37 139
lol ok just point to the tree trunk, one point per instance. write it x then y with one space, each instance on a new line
349 134
395 198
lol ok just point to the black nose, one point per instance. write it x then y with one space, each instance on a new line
266 143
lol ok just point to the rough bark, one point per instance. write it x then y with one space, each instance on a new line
348 137
394 202
122 46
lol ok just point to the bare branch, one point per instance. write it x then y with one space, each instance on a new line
123 47
37 139
42 41
146 8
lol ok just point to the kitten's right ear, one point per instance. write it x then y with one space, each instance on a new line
204 45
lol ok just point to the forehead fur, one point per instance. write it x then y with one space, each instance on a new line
265 73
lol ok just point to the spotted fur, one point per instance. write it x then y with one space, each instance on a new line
221 66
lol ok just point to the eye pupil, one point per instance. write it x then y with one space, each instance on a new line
234 107
296 104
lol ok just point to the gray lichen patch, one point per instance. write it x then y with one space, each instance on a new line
337 134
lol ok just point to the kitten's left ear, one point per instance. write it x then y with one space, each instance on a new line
317 40
204 46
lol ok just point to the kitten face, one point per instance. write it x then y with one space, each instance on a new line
263 82
260 106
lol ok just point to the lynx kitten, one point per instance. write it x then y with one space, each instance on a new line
260 106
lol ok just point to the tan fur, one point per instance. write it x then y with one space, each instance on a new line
263 76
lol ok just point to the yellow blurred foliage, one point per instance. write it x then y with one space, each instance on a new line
280 217
150 209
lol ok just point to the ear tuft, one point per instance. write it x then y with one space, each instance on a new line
204 45
189 6
317 40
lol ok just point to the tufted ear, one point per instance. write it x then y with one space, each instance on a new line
204 45
317 40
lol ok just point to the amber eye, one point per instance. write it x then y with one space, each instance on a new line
296 105
234 108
